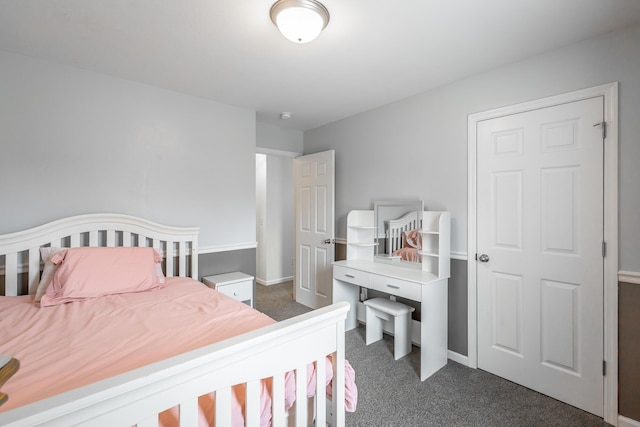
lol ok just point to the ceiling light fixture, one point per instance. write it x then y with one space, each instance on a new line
300 21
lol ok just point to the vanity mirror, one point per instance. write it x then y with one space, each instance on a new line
397 231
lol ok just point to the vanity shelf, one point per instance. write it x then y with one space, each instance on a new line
360 235
436 246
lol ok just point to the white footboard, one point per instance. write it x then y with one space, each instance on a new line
138 396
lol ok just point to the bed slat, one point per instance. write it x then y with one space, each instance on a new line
126 239
74 240
168 256
252 405
194 259
111 238
223 406
301 395
11 274
189 412
277 406
182 262
34 269
321 393
93 238
338 393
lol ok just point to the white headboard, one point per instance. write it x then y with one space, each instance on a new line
20 251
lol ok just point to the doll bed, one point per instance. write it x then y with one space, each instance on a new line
405 240
284 358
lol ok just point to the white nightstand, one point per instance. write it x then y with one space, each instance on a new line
237 285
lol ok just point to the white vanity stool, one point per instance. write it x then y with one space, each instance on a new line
379 310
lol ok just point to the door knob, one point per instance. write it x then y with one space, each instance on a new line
483 258
329 241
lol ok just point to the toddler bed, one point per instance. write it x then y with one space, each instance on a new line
162 350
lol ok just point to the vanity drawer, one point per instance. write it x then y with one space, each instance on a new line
397 287
350 275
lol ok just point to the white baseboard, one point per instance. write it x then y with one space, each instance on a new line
627 422
457 357
631 277
274 281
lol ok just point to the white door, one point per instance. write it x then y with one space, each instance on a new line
539 243
315 189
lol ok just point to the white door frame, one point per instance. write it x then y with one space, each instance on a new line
610 93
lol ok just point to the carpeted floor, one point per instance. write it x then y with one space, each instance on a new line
390 392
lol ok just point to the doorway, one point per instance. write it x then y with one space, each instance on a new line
274 217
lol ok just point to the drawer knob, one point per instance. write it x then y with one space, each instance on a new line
393 286
350 276
235 293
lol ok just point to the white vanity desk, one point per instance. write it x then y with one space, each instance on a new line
429 288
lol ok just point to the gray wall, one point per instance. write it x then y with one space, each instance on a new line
243 260
426 135
75 142
276 138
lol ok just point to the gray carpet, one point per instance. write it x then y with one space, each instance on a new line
391 393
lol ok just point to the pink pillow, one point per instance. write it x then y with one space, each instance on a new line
91 272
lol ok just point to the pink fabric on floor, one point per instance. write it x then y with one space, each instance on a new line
350 392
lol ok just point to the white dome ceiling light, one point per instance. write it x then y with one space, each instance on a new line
300 21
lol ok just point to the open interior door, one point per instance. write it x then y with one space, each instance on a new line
314 228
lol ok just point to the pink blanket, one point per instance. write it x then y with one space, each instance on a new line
70 345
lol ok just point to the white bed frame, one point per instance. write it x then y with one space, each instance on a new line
137 396
396 227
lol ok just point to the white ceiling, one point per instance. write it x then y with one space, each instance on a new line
372 52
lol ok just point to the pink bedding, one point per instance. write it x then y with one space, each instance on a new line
101 337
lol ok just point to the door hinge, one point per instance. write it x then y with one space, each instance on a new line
604 128
604 249
604 368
